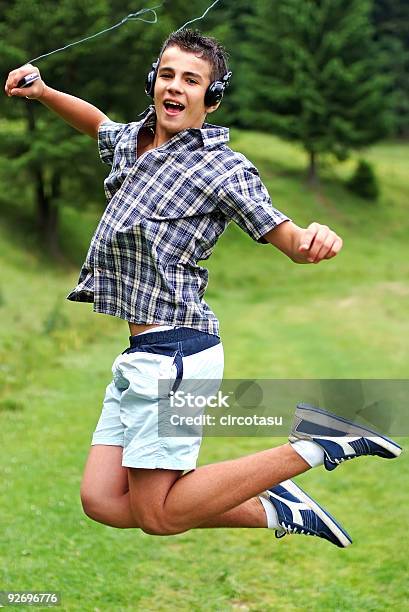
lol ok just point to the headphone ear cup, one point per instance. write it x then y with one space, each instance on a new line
151 79
214 93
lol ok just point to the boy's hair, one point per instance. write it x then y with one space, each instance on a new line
209 48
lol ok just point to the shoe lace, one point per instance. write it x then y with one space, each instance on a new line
288 529
342 459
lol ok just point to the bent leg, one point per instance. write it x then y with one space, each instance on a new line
105 494
104 488
164 502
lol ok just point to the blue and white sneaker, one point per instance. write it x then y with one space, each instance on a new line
339 438
298 513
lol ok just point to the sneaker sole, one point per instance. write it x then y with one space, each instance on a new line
340 533
334 421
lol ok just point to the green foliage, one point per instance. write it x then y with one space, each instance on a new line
10 405
364 181
308 71
278 320
55 319
391 19
47 160
313 75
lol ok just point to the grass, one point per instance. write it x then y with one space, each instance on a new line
346 318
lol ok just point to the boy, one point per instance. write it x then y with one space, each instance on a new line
173 187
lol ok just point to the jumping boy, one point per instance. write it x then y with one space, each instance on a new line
173 187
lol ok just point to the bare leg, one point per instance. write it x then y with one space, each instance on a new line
163 502
106 499
104 487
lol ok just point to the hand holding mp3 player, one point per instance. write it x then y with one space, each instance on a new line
25 81
28 80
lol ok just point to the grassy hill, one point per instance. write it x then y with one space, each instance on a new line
345 318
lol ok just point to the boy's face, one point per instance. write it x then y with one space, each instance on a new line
182 77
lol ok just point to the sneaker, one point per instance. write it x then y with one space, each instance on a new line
339 439
298 513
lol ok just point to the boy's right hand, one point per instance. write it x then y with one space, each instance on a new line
33 91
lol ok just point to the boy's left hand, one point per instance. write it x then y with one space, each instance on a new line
317 242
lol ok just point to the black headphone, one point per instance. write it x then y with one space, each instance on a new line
214 93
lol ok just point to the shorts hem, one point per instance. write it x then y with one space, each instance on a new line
106 442
158 465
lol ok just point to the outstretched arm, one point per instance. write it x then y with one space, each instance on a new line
81 115
309 245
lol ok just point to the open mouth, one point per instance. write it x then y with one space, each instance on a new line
173 108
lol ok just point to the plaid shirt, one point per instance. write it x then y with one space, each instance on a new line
165 212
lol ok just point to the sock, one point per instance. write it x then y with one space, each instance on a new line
271 514
309 451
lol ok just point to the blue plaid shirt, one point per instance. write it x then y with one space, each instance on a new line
165 212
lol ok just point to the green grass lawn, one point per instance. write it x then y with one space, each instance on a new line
345 318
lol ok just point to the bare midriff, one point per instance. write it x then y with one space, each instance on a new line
138 328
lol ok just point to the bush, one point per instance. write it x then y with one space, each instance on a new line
364 181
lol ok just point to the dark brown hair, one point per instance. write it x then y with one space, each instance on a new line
208 47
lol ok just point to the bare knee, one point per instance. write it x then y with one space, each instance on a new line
156 523
159 528
90 504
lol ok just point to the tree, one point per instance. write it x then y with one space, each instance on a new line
391 20
47 161
229 23
314 76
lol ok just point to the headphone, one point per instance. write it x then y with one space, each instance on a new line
214 93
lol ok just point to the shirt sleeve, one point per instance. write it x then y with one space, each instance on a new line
109 134
245 200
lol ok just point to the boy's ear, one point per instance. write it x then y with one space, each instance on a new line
211 109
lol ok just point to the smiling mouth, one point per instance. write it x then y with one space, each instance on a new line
173 108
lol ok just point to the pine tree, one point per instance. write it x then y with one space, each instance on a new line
42 159
391 20
313 76
229 23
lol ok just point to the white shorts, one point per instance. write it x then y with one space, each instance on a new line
130 412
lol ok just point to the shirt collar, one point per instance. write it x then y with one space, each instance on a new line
211 135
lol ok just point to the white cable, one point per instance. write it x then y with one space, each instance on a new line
197 18
131 16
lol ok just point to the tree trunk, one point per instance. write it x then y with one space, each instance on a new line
47 209
43 205
53 239
312 175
